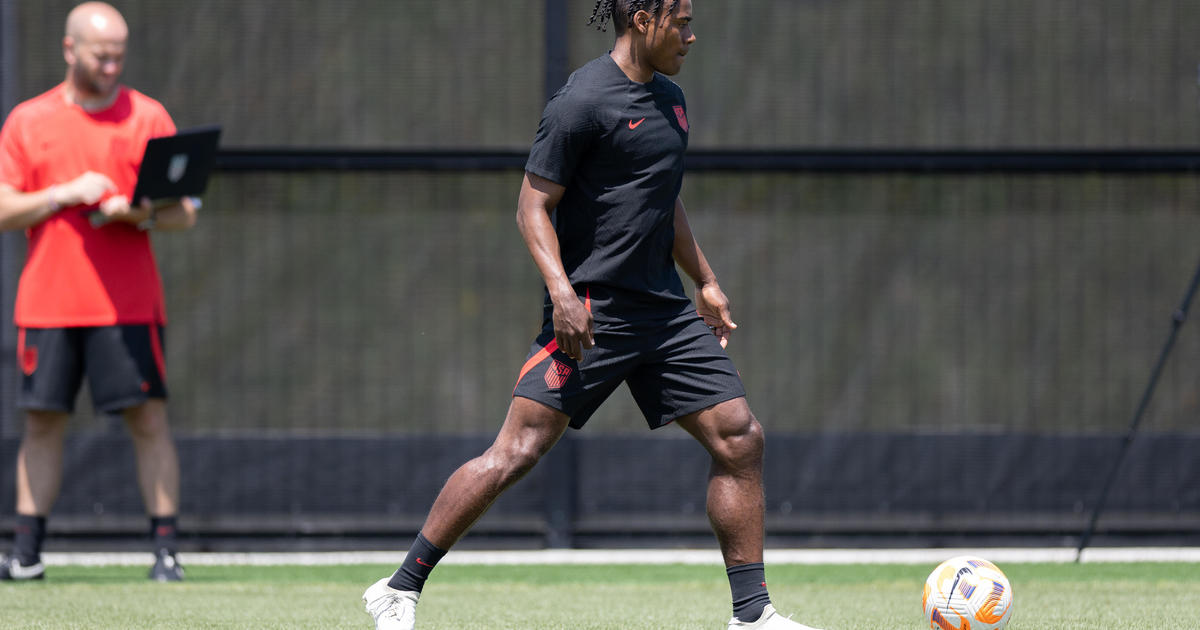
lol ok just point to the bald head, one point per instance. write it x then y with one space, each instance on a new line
96 21
94 49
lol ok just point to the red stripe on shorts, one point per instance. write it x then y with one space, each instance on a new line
541 355
157 349
549 348
27 365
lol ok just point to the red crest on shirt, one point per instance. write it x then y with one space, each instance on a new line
681 116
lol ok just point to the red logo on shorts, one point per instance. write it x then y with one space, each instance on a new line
681 116
29 360
557 374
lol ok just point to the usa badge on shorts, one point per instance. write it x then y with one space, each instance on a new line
557 374
29 360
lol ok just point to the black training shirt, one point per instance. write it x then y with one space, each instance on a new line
617 147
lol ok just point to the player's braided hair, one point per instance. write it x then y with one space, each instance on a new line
621 12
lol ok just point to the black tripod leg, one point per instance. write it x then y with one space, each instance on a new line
1177 319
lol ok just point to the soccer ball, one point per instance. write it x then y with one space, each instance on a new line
967 593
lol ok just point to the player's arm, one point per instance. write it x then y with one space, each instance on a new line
572 322
711 303
19 210
170 215
180 215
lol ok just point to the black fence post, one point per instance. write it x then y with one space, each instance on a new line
9 241
556 27
9 67
560 461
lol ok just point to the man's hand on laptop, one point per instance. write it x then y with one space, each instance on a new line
117 208
87 189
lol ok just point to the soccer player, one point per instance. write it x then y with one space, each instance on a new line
600 212
90 299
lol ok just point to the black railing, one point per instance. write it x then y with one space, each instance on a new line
945 161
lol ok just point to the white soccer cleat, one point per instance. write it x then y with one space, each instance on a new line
391 609
770 620
12 569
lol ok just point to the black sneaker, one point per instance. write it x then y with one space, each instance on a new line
166 567
12 569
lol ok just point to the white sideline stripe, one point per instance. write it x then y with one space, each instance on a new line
641 556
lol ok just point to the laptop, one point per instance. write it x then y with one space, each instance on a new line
177 166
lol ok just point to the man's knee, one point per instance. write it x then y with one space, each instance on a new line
517 461
746 446
739 442
45 425
530 431
148 420
515 458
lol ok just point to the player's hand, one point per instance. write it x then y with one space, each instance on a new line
87 189
117 208
713 307
572 327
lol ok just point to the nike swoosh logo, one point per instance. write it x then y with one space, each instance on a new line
423 563
634 125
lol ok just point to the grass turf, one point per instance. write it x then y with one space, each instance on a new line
1145 596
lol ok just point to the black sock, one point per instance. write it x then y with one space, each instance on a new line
419 563
27 538
164 531
749 585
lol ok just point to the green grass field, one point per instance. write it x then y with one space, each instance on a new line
1142 596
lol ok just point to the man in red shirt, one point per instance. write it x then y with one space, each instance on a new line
90 300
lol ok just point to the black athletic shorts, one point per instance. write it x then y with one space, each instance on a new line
673 367
123 364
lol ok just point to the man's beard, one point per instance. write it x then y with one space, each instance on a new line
94 86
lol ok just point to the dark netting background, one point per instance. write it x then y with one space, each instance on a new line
930 353
405 302
859 73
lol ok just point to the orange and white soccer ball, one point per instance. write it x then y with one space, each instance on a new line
967 593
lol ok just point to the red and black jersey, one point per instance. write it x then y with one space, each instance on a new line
76 274
617 146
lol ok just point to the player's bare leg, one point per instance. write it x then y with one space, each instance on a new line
734 439
530 429
39 477
158 480
40 461
157 459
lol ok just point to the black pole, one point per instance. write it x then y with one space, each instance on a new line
559 463
1177 319
9 241
556 31
8 56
